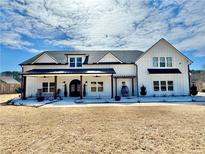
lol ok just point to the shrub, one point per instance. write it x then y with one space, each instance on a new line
18 90
117 98
40 98
143 91
193 90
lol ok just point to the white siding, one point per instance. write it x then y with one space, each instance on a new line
34 83
163 49
45 59
121 69
109 58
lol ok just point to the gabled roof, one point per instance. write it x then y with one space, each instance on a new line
162 39
116 60
52 58
92 57
9 80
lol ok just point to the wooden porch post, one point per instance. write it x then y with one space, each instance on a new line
55 81
115 86
112 86
132 86
81 87
24 87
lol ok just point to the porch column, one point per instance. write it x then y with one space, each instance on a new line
24 87
81 87
115 86
112 86
55 81
132 86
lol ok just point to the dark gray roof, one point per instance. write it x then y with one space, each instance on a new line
126 56
9 80
71 71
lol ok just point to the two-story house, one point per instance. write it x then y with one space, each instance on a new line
162 69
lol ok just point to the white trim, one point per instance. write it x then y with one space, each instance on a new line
40 57
112 55
76 62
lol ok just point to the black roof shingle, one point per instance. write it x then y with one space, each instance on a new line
92 57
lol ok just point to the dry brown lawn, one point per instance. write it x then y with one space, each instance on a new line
148 129
6 97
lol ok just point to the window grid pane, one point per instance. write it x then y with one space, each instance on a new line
156 85
155 61
100 86
79 61
52 87
163 86
93 87
170 86
72 62
45 86
169 61
162 61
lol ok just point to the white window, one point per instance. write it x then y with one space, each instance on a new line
48 87
162 61
156 85
97 86
79 62
93 87
45 86
155 61
169 61
100 86
76 62
163 86
52 87
72 62
170 85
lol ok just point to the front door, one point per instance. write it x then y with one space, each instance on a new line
75 88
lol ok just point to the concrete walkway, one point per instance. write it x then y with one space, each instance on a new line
128 101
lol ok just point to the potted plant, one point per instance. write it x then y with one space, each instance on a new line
117 98
39 96
143 91
193 91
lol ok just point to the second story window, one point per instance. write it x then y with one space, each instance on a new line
72 62
155 61
79 62
162 61
169 61
76 62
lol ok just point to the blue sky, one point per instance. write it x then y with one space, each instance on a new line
29 27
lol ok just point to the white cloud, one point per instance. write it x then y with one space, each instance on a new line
105 24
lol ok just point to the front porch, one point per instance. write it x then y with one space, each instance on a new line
53 84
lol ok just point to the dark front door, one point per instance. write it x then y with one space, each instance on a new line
75 88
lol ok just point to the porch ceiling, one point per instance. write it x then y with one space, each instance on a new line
70 71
